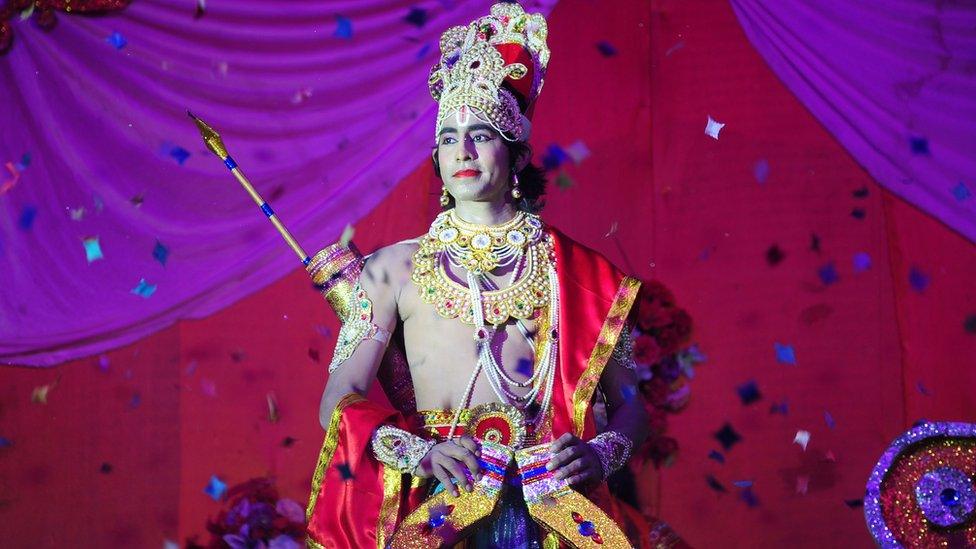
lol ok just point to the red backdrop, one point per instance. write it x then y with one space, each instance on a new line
121 457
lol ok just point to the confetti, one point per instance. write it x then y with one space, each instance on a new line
26 13
748 392
106 468
208 387
961 192
160 253
858 213
93 249
828 274
314 354
780 408
144 289
5 442
563 181
713 127
854 503
714 484
345 471
970 324
674 48
170 544
39 394
802 438
179 154
802 484
237 355
613 229
27 215
774 255
749 497
829 456
323 331
117 40
135 401
606 48
215 488
554 157
717 456
417 17
727 437
524 367
760 170
829 420
918 279
578 151
814 243
77 214
103 363
201 9
423 51
191 368
272 407
347 233
137 200
15 177
861 193
300 97
742 483
343 28
288 442
785 354
922 388
862 262
919 145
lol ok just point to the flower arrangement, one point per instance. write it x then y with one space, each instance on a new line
255 517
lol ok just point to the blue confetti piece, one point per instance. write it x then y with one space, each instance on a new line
628 392
919 145
117 40
417 17
524 367
785 354
135 401
554 157
179 154
862 262
727 436
918 279
144 289
750 498
5 442
343 28
215 488
345 471
27 215
423 51
714 484
93 249
606 48
160 252
717 456
748 392
922 389
780 408
742 483
828 274
859 213
760 170
25 161
961 192
829 420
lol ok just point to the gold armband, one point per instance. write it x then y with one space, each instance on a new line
357 327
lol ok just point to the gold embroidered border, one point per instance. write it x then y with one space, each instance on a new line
619 309
389 510
328 449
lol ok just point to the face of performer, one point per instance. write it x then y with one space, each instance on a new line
474 161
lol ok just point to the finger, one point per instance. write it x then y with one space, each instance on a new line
469 444
560 443
469 459
443 477
570 468
563 457
457 471
576 479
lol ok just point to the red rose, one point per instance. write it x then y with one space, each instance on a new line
646 350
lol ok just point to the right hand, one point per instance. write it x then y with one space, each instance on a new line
451 459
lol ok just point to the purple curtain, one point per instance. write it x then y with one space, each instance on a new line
116 221
894 81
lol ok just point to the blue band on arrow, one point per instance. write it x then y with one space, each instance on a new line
229 162
306 261
266 208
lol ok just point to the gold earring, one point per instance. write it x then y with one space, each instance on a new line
445 198
516 193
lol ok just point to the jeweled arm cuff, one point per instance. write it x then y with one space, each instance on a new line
399 449
357 327
613 449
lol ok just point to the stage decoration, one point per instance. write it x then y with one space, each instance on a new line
254 515
41 12
922 492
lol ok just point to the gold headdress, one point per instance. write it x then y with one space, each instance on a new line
495 67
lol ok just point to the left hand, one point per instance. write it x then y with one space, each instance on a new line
575 461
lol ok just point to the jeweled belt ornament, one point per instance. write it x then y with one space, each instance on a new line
922 492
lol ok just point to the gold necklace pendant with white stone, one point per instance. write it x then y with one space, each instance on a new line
451 240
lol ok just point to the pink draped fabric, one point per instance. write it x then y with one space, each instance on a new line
323 105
